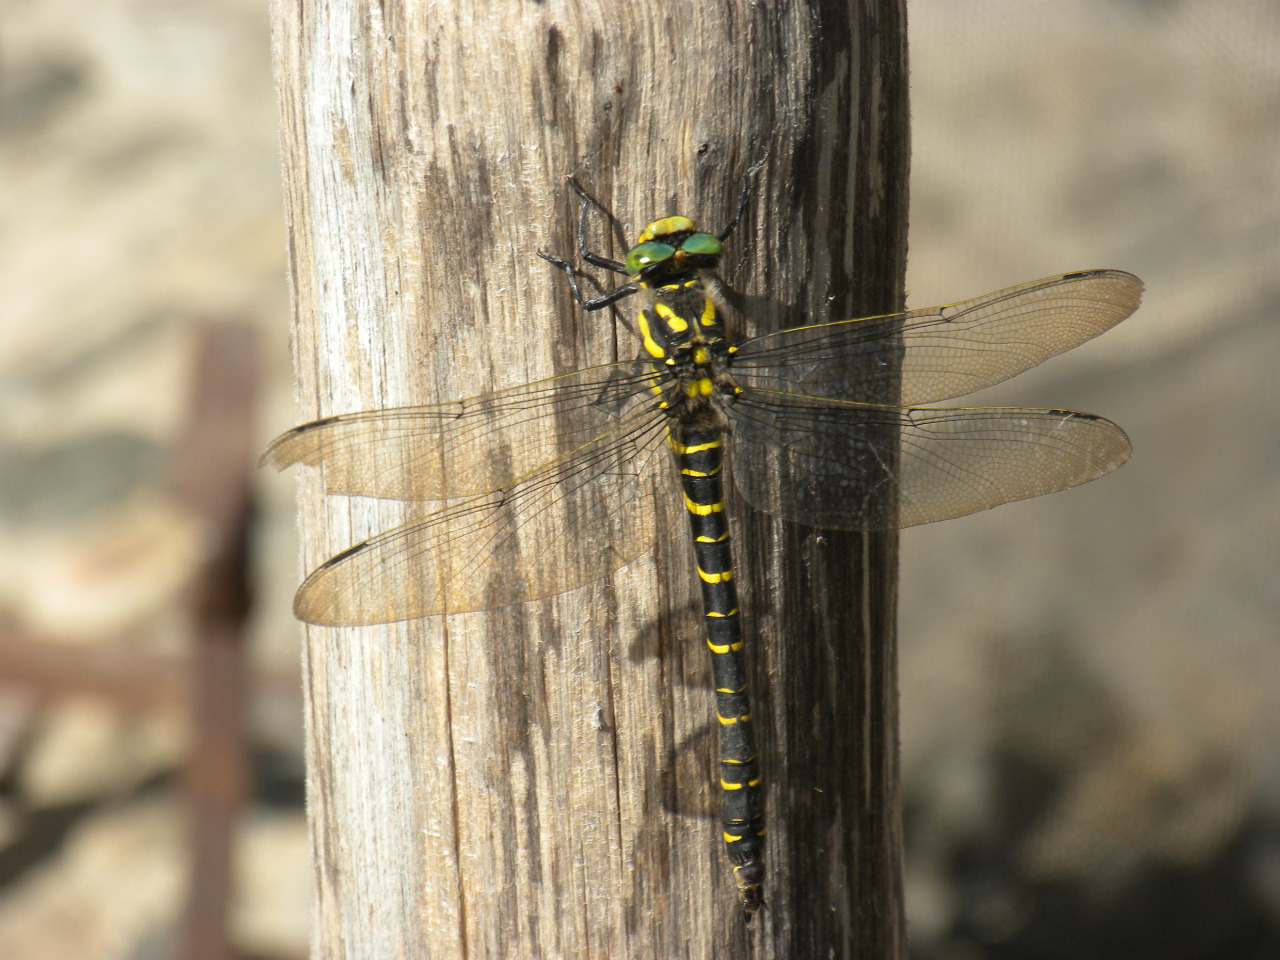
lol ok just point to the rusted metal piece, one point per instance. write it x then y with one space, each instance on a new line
49 667
211 477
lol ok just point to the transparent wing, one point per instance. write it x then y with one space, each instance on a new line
468 447
849 466
564 525
942 352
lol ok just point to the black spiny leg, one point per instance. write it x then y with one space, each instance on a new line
592 258
596 303
614 295
746 197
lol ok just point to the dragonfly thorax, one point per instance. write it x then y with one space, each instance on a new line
680 312
703 386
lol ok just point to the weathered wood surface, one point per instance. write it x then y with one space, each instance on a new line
537 781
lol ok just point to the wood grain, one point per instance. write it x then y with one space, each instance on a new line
537 781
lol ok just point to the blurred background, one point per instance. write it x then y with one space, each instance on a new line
1090 723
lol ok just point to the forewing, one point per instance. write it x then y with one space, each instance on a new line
940 352
468 447
849 466
564 525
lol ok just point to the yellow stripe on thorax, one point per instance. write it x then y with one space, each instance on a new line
675 322
646 335
702 386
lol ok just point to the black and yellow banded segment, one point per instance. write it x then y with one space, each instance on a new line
700 458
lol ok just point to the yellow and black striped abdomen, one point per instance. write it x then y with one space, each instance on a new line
700 455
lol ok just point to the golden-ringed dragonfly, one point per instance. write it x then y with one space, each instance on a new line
565 480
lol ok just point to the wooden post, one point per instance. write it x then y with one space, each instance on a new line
538 781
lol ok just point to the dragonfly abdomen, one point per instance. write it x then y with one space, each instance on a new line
699 452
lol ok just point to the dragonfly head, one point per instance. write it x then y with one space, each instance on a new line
670 246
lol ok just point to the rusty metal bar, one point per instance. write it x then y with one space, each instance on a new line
211 476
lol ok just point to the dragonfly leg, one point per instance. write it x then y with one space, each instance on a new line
605 299
748 187
592 258
595 303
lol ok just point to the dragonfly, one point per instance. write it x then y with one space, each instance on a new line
556 483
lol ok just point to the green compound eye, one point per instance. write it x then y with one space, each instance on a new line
703 244
646 255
